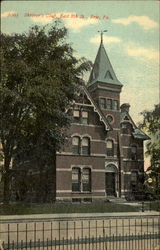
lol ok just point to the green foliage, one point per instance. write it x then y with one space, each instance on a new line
38 82
151 125
100 207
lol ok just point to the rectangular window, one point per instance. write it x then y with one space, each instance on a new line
86 180
110 148
115 105
134 153
84 117
102 103
81 180
124 128
109 103
76 115
76 185
134 176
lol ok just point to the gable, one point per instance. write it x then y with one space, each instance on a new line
84 98
136 132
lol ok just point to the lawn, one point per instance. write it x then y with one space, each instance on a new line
99 207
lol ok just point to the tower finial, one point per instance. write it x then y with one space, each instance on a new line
102 31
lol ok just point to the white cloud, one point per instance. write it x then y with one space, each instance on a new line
77 23
143 53
106 39
144 21
8 13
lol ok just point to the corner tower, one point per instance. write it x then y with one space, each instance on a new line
104 86
105 89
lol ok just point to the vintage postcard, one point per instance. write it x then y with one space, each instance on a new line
80 103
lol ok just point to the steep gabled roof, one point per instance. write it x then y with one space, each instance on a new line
96 109
102 70
137 133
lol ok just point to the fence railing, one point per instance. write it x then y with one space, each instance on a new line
111 234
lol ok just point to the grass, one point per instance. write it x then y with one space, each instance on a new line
153 205
99 207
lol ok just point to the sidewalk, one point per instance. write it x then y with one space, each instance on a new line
78 216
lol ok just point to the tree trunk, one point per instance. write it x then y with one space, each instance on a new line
6 176
6 191
54 175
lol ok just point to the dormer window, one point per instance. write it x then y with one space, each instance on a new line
108 75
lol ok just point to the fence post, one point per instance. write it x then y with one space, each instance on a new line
82 233
47 243
8 235
103 234
21 244
34 234
96 229
70 243
59 229
89 232
17 234
30 244
142 206
67 234
51 235
43 234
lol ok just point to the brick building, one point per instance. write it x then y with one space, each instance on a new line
103 155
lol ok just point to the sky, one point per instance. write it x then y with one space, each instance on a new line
131 40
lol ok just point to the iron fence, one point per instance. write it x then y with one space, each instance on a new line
101 234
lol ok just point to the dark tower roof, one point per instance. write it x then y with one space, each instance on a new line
102 70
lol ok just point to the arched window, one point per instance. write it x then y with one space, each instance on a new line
110 148
86 179
76 145
76 179
134 152
85 146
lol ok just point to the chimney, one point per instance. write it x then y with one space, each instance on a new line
125 107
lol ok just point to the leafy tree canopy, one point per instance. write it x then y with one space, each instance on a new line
39 78
151 125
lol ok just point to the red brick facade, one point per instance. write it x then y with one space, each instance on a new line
103 155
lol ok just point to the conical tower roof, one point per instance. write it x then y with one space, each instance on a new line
102 70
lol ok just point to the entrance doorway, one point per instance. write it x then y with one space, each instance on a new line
110 184
111 180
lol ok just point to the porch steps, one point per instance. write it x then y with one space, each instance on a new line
116 200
